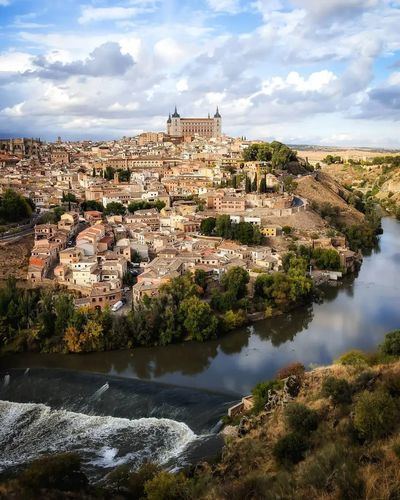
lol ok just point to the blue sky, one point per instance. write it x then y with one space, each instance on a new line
301 71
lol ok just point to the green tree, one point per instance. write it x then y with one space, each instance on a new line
199 322
69 197
289 184
207 226
235 281
254 184
263 185
200 278
223 227
247 184
114 208
13 207
92 205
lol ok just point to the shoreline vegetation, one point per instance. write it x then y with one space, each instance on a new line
189 307
337 435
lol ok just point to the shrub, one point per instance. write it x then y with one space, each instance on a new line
332 467
297 369
166 486
290 449
122 479
338 389
301 419
391 384
366 380
375 414
391 344
260 393
59 472
354 358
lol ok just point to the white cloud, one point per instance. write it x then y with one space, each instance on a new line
4 3
91 14
182 85
13 111
15 61
229 6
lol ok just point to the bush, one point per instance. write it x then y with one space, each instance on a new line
166 486
391 344
331 468
354 358
296 369
391 384
290 449
366 380
375 415
301 419
338 389
59 472
122 479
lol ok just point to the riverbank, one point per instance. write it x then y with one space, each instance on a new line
324 438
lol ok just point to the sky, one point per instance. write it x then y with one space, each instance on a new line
324 72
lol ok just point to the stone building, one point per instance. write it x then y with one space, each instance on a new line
188 127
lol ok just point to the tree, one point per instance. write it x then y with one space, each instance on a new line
247 184
200 278
207 226
263 185
199 322
64 310
326 258
235 281
109 173
114 208
254 184
142 205
69 197
223 227
92 205
14 207
289 184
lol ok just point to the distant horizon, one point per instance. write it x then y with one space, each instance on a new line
99 139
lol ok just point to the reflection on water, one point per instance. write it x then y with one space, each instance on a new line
355 314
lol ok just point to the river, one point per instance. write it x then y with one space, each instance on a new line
355 314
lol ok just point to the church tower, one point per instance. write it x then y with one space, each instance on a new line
217 124
175 127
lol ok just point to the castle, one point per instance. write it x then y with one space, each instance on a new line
184 127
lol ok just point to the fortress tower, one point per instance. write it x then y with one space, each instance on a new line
204 127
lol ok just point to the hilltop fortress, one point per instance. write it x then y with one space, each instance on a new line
204 127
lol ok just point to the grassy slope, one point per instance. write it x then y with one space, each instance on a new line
248 463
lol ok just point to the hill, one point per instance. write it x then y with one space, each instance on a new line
320 188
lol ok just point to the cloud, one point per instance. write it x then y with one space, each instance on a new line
333 9
4 3
90 14
293 69
105 60
229 6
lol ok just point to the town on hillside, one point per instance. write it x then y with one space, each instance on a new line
113 221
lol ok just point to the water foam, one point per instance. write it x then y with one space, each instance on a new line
28 430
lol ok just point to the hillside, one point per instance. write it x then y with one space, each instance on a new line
382 181
322 188
331 433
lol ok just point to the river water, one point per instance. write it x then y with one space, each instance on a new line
355 314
